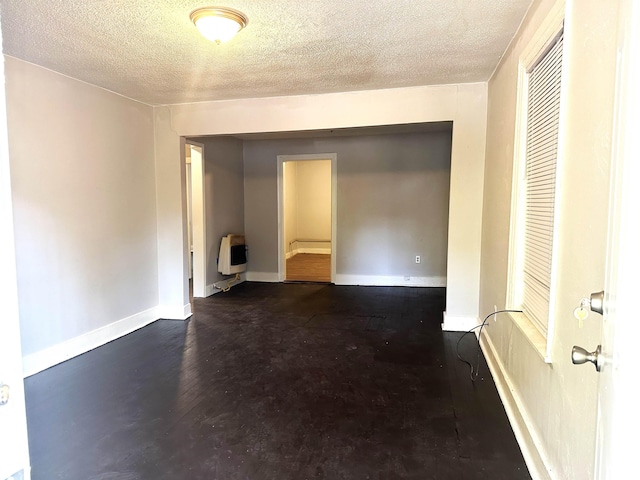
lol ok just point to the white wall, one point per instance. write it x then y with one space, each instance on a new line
555 404
463 104
171 218
310 202
392 202
84 199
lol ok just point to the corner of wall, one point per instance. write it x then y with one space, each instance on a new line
457 323
170 208
466 198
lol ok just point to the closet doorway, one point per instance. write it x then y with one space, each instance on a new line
307 217
196 218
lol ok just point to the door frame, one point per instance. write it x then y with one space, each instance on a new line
198 222
282 265
618 415
14 448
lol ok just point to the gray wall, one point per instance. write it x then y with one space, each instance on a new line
224 195
393 197
84 197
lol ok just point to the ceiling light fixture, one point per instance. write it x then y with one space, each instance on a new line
218 24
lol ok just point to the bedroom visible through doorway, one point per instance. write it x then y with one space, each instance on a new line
307 220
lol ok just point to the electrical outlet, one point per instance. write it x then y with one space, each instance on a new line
417 258
407 278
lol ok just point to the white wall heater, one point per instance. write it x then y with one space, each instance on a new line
233 255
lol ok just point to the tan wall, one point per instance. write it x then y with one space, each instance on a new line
307 205
558 400
314 201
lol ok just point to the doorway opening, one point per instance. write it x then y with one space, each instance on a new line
196 231
307 217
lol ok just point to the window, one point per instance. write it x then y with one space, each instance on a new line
543 113
531 275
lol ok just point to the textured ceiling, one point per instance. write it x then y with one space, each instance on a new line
150 51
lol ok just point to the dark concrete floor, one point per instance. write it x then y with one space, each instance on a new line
277 381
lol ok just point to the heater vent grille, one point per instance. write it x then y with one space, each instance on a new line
233 255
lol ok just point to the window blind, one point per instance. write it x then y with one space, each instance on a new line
543 113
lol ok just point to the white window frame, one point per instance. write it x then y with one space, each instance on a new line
536 48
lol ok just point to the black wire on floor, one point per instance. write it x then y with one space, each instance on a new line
473 371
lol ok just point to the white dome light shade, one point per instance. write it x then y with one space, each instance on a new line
218 24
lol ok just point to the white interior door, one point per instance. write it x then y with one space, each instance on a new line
198 221
14 453
189 214
618 416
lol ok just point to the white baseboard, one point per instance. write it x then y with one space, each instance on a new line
390 280
516 412
458 323
270 277
296 251
48 357
321 251
210 290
